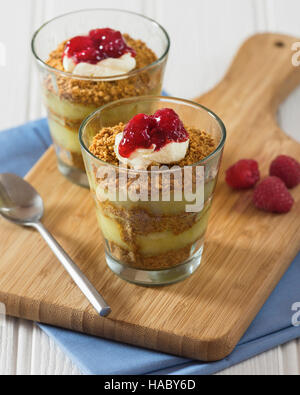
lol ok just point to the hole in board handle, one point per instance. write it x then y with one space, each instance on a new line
279 44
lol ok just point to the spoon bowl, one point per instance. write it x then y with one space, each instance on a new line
19 201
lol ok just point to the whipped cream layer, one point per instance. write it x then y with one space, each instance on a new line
105 68
141 158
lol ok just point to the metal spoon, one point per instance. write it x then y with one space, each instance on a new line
20 203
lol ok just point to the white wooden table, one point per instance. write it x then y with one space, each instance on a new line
205 35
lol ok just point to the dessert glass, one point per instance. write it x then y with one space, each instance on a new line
156 241
64 93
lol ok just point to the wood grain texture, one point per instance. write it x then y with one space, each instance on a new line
204 316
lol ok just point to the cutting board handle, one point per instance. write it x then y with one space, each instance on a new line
262 74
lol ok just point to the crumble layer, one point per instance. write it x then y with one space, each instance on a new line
98 93
201 145
77 161
140 221
167 260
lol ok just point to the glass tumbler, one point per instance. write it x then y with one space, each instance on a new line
152 227
66 95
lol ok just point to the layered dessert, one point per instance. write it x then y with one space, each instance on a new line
93 69
151 234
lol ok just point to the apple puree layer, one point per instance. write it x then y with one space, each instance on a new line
70 112
65 136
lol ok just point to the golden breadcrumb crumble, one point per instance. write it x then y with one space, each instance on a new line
165 260
97 93
201 145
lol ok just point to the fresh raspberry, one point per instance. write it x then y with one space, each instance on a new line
286 168
243 174
272 195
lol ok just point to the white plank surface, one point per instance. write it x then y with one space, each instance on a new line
205 34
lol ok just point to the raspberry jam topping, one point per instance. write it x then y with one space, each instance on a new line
146 131
98 45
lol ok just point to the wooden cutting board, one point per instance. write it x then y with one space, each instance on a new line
246 251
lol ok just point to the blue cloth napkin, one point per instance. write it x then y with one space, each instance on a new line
272 326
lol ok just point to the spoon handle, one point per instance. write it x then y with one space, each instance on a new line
78 277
